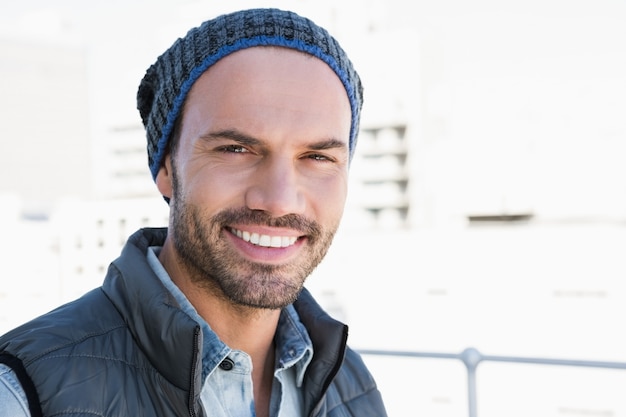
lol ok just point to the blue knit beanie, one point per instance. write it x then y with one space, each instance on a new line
167 82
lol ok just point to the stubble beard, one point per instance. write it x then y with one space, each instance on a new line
213 264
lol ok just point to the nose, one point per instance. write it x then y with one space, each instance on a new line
276 188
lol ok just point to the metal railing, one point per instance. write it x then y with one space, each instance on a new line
471 358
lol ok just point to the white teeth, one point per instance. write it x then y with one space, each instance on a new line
276 242
265 240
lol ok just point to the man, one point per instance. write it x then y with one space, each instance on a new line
251 121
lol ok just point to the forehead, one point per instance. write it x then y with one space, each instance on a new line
268 86
251 67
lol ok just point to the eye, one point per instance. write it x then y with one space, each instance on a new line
233 149
320 157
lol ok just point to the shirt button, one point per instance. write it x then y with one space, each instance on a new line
227 364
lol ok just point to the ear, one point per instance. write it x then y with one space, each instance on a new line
164 178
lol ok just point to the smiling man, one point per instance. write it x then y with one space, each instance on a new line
251 121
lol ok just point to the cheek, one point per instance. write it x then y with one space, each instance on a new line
328 198
211 188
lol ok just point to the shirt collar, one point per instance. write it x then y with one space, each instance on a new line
293 344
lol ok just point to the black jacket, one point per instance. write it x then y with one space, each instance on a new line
126 349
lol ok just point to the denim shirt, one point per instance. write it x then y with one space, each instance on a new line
12 397
227 373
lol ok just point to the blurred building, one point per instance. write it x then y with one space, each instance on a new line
45 123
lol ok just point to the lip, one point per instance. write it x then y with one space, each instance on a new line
265 245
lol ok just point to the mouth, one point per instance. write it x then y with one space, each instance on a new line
263 240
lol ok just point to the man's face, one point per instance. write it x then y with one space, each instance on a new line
259 179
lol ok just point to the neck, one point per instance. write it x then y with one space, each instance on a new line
250 330
243 328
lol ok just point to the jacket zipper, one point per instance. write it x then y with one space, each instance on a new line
333 373
192 383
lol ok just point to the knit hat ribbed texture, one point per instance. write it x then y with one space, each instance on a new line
167 82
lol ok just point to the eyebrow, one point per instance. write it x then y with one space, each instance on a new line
244 139
232 134
329 144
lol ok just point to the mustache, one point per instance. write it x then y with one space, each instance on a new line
258 217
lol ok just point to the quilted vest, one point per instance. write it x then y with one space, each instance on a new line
126 349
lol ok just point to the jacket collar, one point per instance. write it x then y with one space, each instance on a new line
329 338
169 337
